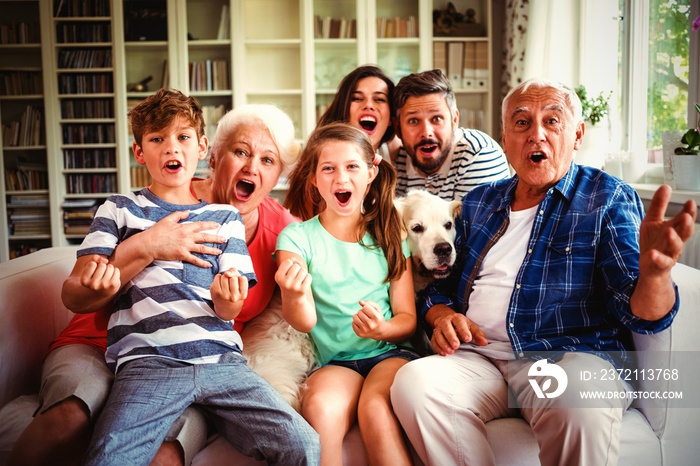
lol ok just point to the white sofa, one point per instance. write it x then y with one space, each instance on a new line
31 315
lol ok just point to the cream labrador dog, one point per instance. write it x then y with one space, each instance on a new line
278 353
429 222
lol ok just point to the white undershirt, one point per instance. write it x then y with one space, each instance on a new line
489 301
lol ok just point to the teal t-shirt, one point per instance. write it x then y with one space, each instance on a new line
342 274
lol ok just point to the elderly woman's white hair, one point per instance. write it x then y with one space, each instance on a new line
267 116
538 83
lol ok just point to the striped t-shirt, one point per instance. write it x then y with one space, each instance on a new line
476 159
166 310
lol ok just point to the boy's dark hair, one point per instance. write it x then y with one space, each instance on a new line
158 110
424 83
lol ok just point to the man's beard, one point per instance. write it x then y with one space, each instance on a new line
430 165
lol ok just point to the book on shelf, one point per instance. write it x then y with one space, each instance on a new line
334 28
78 215
24 132
76 229
78 203
27 215
165 82
25 176
139 176
21 200
223 32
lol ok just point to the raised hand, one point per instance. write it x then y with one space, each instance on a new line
368 322
293 278
228 291
661 241
101 277
660 245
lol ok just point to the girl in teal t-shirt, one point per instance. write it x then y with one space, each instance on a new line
345 278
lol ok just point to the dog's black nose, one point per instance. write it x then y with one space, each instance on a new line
442 249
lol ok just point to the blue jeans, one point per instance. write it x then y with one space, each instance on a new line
150 393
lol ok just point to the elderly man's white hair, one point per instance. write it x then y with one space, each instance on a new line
537 83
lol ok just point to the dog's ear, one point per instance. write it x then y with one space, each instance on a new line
455 208
400 204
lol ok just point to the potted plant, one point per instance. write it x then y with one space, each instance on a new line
691 139
686 161
594 108
596 140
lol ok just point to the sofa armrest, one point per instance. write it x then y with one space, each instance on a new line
672 420
31 315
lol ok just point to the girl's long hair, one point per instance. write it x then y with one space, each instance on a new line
380 218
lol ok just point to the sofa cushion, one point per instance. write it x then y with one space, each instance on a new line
15 416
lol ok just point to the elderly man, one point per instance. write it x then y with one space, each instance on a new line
438 155
556 260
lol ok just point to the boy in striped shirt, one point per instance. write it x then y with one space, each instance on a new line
170 337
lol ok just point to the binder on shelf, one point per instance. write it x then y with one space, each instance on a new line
440 56
455 55
481 65
469 71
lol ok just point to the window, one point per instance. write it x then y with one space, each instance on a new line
659 79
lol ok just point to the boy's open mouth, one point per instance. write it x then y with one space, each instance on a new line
173 165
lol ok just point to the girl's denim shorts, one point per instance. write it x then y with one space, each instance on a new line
364 366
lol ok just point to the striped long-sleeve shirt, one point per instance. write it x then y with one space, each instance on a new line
166 310
476 159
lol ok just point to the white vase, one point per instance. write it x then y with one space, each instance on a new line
686 171
595 144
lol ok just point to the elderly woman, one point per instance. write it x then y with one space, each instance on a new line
252 147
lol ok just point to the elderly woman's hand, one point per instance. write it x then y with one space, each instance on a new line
170 240
166 240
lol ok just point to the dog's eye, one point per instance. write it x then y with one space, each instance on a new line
417 228
448 226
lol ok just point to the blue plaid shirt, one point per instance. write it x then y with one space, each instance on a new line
572 292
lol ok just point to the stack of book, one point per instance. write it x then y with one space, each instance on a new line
140 178
26 131
334 28
78 215
209 75
26 176
397 27
28 215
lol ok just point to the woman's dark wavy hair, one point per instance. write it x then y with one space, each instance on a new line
380 219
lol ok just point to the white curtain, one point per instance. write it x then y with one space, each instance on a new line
552 42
